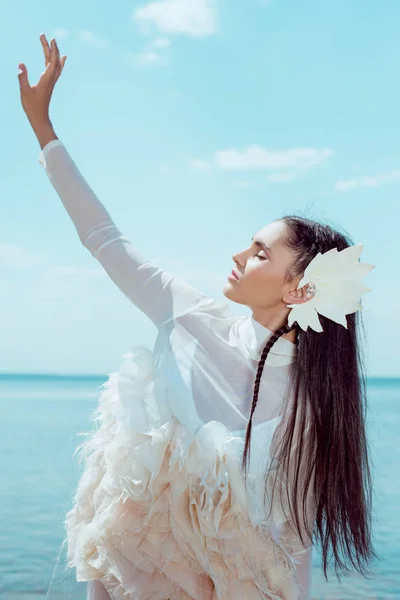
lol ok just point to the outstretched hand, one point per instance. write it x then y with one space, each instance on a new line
35 99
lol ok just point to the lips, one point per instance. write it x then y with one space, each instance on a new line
234 274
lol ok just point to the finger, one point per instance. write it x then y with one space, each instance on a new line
63 59
57 53
46 49
51 69
23 78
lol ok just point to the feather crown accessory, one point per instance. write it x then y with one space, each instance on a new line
333 288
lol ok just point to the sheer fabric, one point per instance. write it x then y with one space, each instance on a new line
161 510
96 591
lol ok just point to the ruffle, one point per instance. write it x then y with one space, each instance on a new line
161 512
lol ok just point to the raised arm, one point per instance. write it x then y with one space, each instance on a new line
157 293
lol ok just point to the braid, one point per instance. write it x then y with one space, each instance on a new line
284 329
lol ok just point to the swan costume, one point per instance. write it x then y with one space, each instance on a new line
161 510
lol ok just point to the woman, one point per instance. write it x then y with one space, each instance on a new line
219 456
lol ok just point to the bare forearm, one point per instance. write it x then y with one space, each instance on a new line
44 132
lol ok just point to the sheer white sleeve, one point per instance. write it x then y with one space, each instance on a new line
96 591
155 292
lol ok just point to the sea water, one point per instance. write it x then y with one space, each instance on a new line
41 418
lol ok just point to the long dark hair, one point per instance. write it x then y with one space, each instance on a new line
328 382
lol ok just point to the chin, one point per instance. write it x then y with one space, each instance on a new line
229 292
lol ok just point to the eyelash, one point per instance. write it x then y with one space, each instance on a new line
263 257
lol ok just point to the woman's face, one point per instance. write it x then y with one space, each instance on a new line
261 269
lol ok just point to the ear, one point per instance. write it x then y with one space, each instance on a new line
295 296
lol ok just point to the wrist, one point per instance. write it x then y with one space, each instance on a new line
44 132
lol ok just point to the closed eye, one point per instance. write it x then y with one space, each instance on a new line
263 257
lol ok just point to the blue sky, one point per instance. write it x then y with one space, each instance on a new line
196 122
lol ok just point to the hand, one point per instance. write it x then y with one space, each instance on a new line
36 98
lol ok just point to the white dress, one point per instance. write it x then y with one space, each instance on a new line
161 510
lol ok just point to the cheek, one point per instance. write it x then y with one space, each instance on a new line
266 284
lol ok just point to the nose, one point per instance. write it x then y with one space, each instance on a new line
237 255
236 260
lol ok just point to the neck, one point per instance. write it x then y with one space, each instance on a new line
274 320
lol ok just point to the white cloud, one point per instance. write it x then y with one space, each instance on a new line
59 33
84 35
155 53
196 18
146 58
345 185
286 165
283 177
200 164
161 43
92 39
257 157
16 256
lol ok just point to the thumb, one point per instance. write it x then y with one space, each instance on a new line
23 78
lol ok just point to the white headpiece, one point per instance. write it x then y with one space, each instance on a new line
334 288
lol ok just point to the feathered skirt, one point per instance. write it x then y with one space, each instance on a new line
162 515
